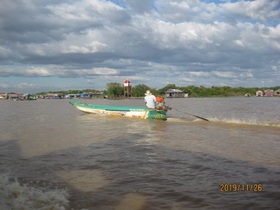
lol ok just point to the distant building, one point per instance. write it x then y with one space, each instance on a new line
3 95
175 93
50 96
259 93
96 94
84 95
127 88
14 95
268 92
277 92
70 96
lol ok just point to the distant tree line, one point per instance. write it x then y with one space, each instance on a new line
116 90
65 92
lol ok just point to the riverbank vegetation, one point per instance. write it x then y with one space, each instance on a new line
115 90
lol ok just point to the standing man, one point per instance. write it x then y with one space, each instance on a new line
150 100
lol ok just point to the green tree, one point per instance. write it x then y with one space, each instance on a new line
139 90
114 89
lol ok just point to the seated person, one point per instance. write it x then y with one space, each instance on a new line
150 100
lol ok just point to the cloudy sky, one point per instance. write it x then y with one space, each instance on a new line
77 44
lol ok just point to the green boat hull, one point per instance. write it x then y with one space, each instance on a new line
122 111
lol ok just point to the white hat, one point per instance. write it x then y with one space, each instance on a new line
148 93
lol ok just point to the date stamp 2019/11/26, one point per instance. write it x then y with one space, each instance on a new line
241 187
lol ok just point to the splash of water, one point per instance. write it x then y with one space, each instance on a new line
14 195
245 122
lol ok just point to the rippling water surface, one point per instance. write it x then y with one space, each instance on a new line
52 156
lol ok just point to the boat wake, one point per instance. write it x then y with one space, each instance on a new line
245 122
14 195
226 121
185 120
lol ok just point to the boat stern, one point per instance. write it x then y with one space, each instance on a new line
157 115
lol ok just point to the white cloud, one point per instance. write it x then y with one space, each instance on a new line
227 75
186 79
3 85
151 42
4 51
258 9
85 10
97 71
104 71
92 47
24 85
35 71
199 74
239 43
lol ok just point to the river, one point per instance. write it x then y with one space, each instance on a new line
54 157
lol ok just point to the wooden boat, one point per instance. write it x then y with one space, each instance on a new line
122 111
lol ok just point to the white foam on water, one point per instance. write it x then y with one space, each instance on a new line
249 122
181 120
14 195
245 122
